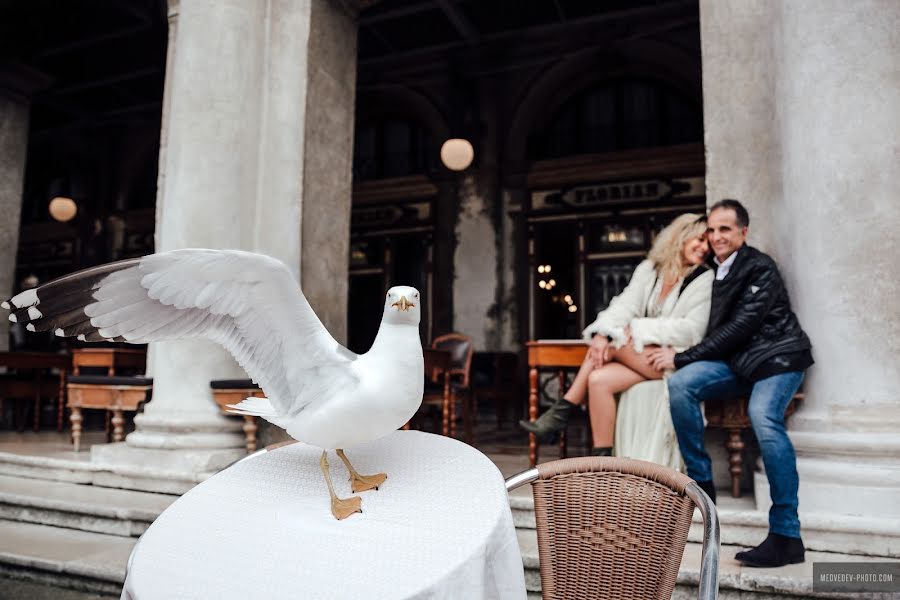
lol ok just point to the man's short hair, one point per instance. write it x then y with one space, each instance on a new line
743 217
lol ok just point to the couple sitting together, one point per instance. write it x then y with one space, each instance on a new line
685 331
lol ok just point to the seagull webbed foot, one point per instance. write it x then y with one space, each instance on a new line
361 483
342 508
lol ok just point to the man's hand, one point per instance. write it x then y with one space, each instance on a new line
662 358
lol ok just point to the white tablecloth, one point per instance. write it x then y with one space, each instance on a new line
440 527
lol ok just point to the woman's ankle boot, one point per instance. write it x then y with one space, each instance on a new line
554 420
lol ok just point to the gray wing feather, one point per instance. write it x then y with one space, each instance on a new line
249 303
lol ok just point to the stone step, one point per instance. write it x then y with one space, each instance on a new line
736 582
79 506
83 471
64 558
743 525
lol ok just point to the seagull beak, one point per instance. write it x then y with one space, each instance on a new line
403 304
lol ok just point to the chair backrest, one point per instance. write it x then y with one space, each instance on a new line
616 528
460 348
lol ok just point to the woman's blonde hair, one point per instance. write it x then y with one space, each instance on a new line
667 251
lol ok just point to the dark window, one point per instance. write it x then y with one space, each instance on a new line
619 115
390 148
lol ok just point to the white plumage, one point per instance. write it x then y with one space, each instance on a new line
320 392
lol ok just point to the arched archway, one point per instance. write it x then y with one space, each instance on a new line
566 78
397 236
607 146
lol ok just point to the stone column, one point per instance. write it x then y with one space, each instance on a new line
475 260
17 84
802 106
477 263
256 148
13 149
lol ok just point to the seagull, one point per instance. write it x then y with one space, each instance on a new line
320 392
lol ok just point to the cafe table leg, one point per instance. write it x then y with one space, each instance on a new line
532 414
250 429
76 420
118 422
61 401
563 436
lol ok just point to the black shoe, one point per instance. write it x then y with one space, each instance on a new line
776 551
709 488
601 451
553 421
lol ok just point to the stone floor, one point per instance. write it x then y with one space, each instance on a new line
50 444
98 558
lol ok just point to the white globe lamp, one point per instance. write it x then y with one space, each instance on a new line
457 154
63 209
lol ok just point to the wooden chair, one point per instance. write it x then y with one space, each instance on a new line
460 348
617 528
30 377
111 391
233 391
732 416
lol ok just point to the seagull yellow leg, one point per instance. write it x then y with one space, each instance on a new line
361 483
341 508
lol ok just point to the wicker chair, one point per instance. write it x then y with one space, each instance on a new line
616 528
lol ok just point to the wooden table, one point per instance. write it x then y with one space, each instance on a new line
732 415
108 358
114 397
545 354
40 361
235 394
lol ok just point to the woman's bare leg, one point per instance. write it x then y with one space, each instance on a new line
577 392
603 383
635 361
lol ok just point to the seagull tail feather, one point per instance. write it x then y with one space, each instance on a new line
257 407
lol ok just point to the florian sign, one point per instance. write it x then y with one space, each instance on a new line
592 196
626 191
392 215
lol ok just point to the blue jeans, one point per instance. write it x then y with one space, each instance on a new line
713 380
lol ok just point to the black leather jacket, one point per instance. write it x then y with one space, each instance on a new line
750 320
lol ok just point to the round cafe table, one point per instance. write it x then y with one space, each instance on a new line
439 527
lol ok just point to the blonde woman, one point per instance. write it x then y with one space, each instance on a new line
666 303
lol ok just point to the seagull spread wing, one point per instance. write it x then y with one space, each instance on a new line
249 303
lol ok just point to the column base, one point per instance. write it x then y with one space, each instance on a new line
159 470
170 455
849 492
186 432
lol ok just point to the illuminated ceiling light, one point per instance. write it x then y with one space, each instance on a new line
551 283
31 281
573 308
568 299
546 268
540 268
457 154
542 284
63 209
